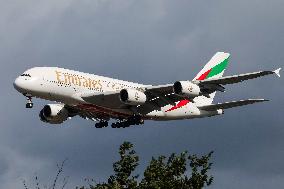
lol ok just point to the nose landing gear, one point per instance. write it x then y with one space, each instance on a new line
29 104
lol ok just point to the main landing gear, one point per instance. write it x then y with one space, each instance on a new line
29 104
135 120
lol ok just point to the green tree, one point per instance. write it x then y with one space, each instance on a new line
162 172
171 173
123 169
182 171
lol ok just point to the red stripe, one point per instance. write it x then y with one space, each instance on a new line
203 76
179 105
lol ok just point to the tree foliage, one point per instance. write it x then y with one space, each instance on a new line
178 171
123 169
161 173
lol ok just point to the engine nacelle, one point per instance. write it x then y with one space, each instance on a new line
187 88
54 114
132 97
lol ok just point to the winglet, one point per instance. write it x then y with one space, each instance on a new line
277 72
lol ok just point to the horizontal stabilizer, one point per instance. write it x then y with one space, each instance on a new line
237 78
227 105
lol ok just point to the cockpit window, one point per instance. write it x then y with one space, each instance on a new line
27 75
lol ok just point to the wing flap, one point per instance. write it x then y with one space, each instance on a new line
227 105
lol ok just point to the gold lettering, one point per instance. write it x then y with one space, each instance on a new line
66 79
71 79
76 80
58 75
85 82
99 84
90 82
80 81
96 84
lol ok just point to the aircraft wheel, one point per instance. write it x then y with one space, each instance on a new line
126 124
101 124
114 125
29 105
141 122
98 125
105 124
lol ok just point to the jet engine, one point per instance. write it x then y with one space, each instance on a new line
186 88
54 114
132 97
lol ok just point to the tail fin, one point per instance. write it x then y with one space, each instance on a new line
215 68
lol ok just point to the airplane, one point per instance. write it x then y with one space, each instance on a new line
101 99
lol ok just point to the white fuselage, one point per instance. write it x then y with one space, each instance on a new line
66 86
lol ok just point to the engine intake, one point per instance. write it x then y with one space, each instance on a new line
132 97
187 89
54 114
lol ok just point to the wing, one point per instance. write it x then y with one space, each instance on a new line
237 78
108 100
163 94
157 97
228 105
158 102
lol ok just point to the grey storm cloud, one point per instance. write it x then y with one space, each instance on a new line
151 42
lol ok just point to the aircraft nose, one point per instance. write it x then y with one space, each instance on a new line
19 84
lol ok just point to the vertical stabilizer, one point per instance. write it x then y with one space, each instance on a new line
215 68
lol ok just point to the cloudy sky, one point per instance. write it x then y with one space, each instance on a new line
151 42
